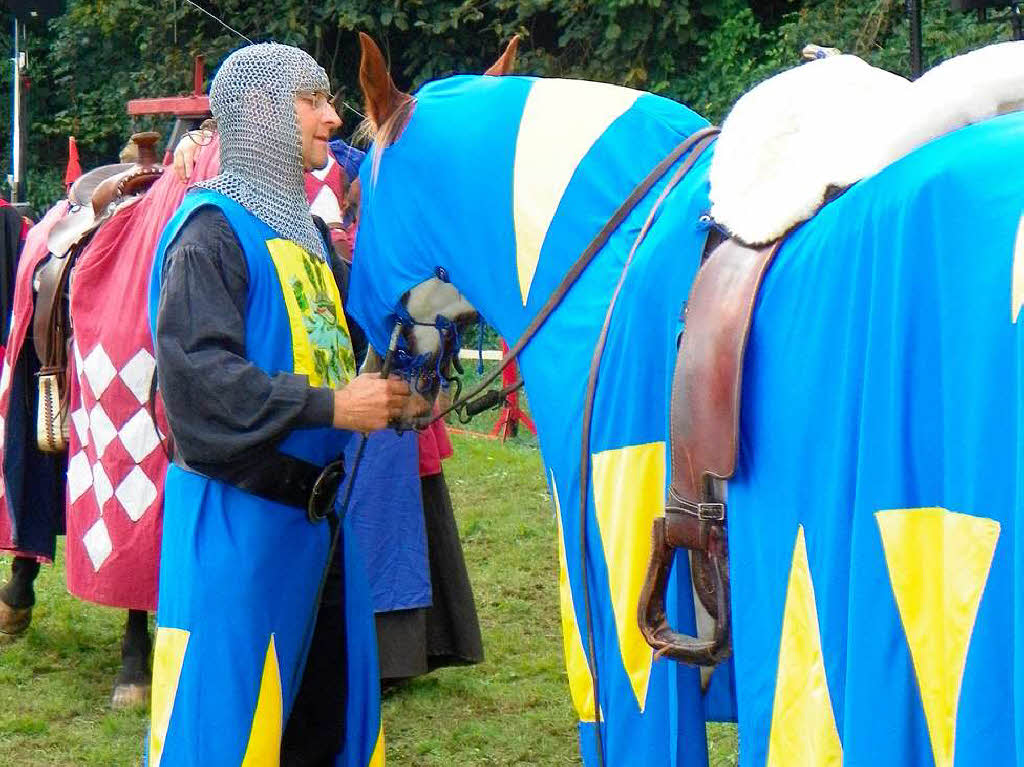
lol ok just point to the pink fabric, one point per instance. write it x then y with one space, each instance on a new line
434 448
330 181
33 252
116 459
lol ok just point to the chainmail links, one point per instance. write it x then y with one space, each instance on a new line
253 100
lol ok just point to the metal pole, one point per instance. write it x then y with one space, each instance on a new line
15 179
916 40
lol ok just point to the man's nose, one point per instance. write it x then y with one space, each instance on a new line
331 118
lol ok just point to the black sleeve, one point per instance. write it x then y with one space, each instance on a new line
221 407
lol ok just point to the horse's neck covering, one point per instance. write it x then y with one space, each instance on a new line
532 170
253 100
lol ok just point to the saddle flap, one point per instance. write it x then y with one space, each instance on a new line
706 385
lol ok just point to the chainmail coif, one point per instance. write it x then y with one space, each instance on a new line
253 100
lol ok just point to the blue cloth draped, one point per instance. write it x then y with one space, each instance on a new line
348 157
386 514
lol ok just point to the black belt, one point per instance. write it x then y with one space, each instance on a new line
282 478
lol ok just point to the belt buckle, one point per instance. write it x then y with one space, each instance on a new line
711 512
325 491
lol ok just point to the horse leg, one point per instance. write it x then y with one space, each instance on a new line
132 685
17 597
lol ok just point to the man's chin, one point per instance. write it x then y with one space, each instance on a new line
315 163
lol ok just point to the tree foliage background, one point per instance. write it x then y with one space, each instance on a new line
87 63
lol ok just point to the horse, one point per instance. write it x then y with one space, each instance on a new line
871 526
96 452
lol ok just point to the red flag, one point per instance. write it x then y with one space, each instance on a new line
74 168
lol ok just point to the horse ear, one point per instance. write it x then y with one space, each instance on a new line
506 63
380 95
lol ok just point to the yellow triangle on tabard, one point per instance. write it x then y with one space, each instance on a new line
264 748
561 120
168 658
377 759
938 564
1017 285
803 728
581 683
629 494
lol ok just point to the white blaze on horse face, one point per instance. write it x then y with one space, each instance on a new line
1017 287
561 121
427 300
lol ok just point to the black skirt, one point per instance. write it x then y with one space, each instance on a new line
413 642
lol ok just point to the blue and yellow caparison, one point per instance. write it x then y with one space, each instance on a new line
874 531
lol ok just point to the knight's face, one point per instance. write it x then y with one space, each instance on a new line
317 123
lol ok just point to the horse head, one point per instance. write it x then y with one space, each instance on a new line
431 315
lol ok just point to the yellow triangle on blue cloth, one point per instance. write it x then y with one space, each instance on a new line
581 682
803 730
561 120
938 564
264 748
168 658
377 758
629 494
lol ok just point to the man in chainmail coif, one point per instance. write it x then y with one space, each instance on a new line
257 626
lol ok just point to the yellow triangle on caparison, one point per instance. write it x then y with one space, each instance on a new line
938 563
1017 284
803 730
581 682
168 658
561 120
629 494
264 748
377 759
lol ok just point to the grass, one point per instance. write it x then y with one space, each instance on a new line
513 709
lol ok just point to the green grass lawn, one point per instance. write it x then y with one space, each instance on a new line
514 709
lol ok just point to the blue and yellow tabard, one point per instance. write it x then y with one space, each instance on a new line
239 573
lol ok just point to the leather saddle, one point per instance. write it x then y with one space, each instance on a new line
98 194
703 436
94 198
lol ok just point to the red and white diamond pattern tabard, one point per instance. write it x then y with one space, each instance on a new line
116 468
117 454
117 457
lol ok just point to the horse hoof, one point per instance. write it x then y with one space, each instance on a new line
14 621
128 696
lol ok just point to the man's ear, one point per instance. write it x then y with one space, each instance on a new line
380 95
506 63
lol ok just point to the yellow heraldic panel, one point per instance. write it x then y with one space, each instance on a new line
803 732
168 657
629 494
938 564
581 683
321 344
264 749
561 121
1017 285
